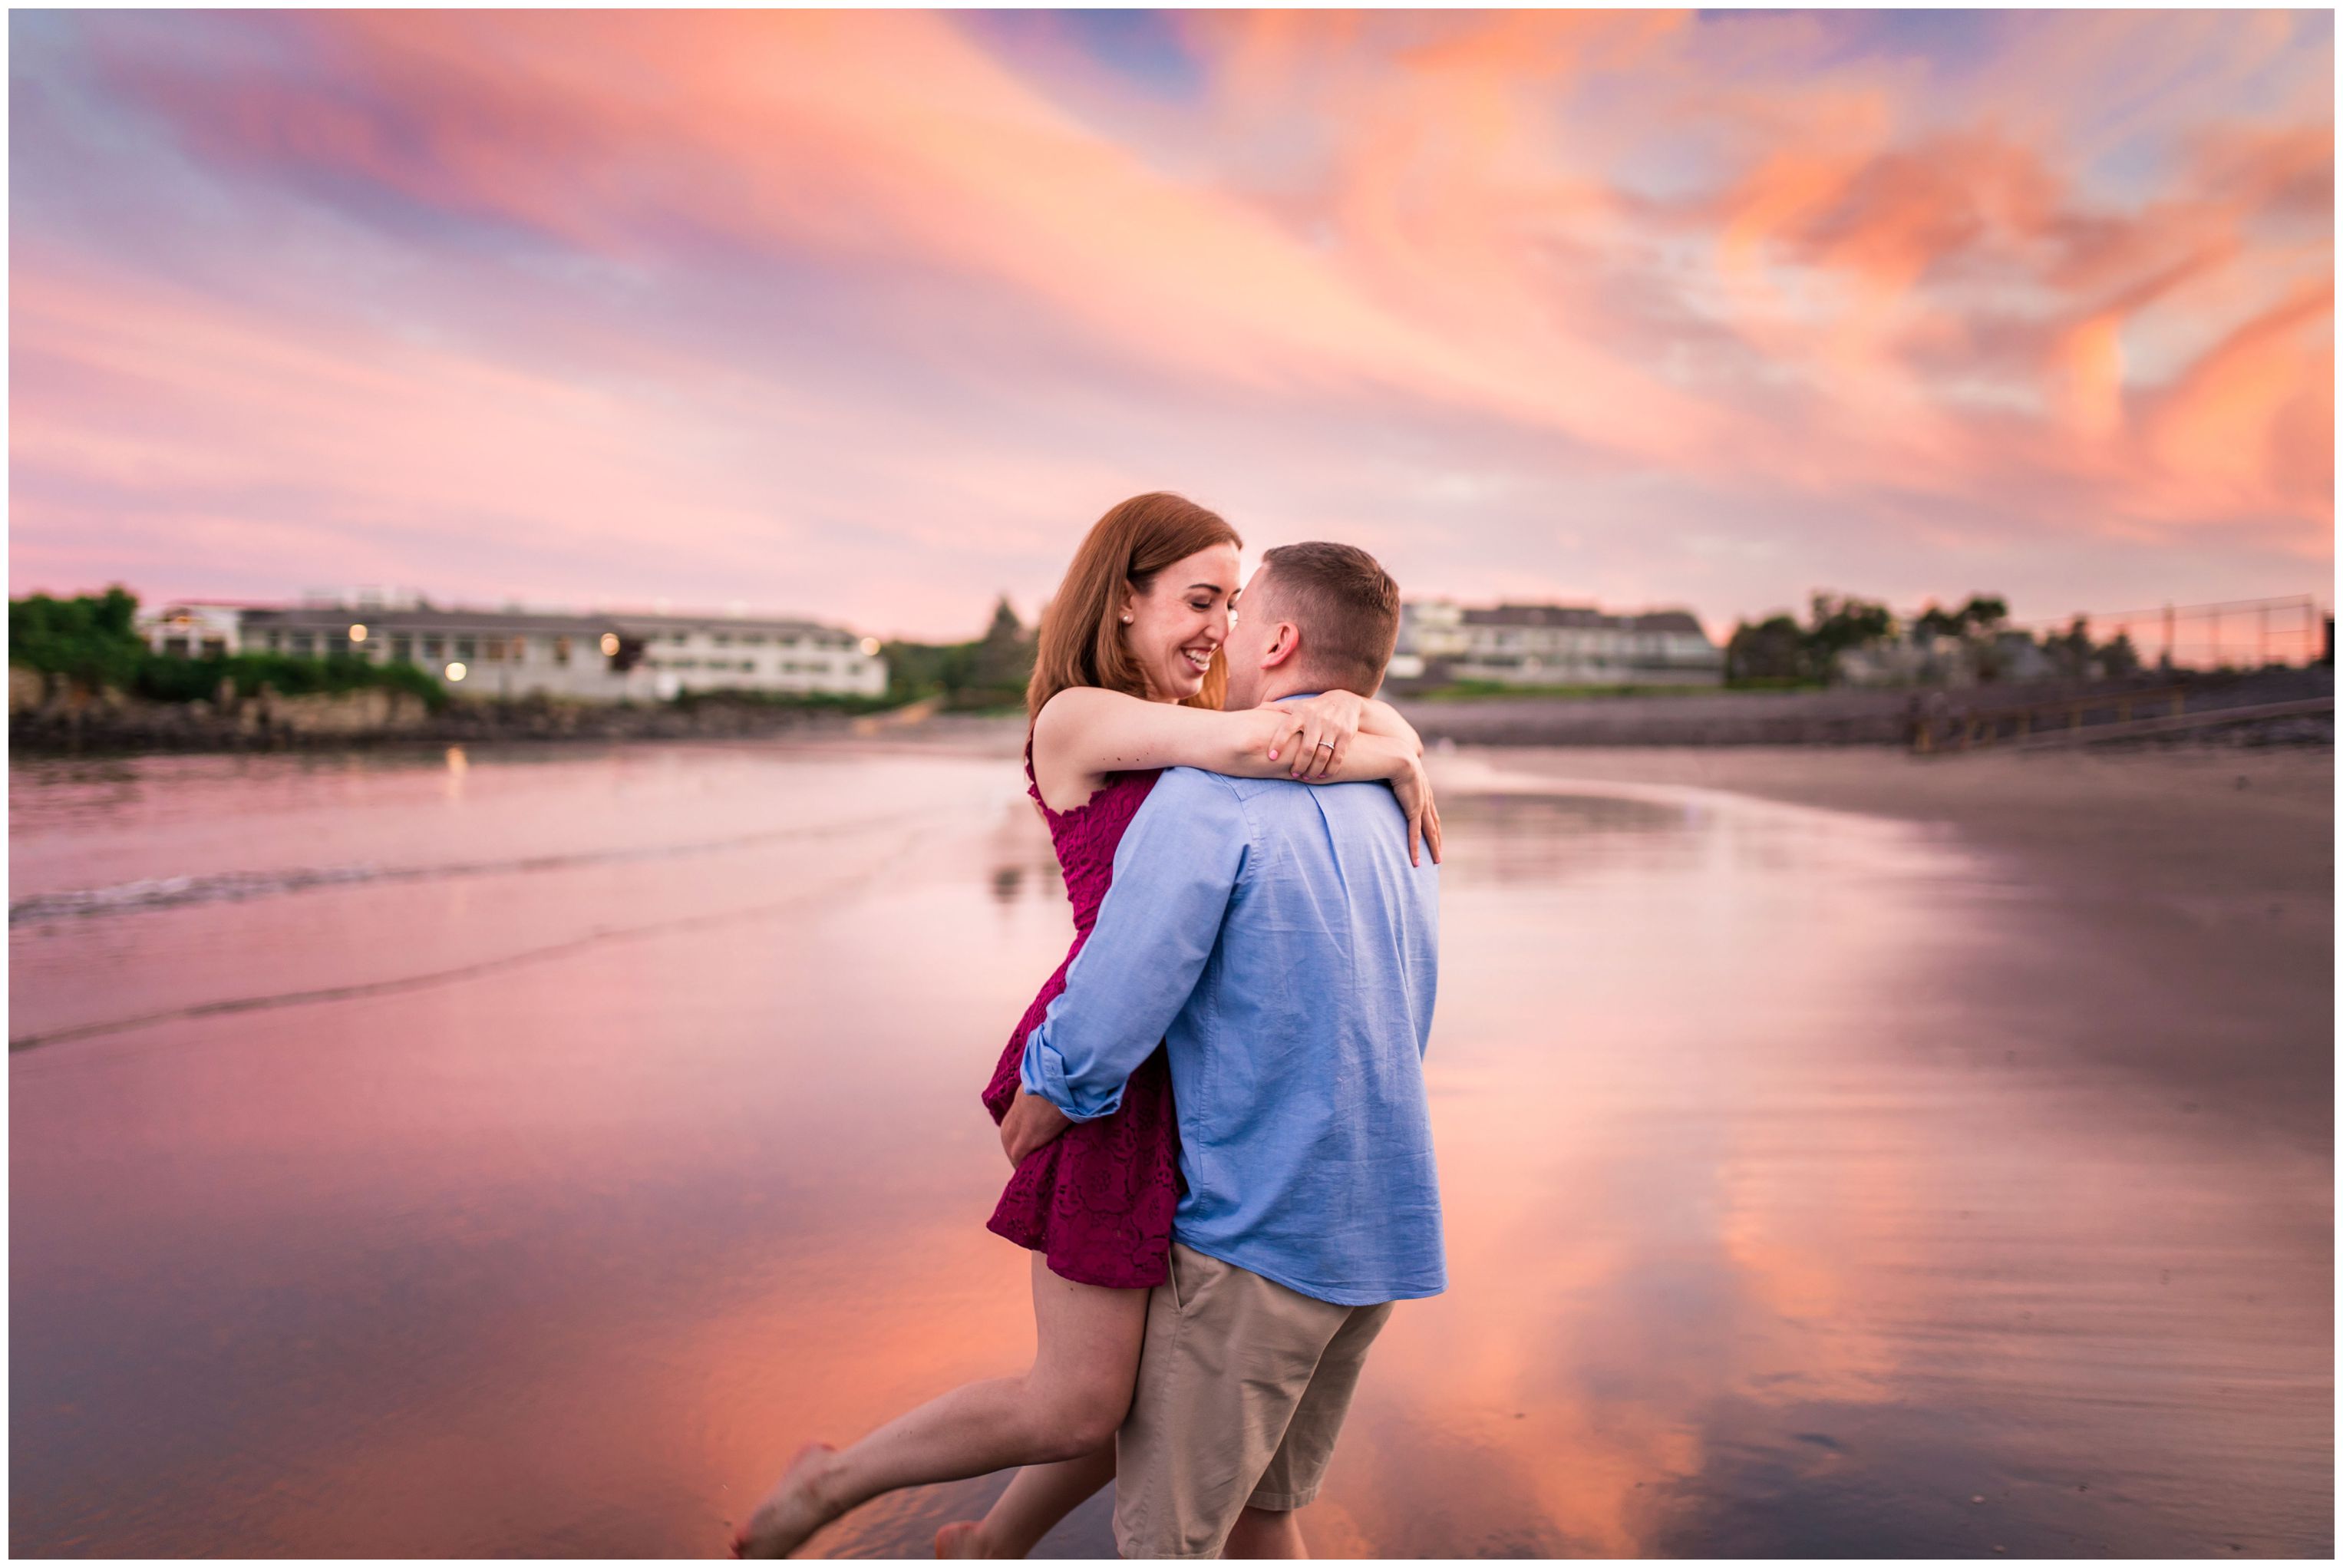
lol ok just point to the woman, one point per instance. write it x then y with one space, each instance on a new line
1128 681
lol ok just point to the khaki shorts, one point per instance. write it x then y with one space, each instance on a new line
1242 1388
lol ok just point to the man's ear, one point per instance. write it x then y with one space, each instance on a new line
1281 647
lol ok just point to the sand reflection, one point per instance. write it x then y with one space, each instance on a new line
1773 1227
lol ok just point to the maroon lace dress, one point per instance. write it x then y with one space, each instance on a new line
1096 1202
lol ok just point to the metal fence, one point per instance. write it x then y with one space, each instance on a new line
2235 634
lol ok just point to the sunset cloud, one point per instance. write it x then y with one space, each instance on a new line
845 313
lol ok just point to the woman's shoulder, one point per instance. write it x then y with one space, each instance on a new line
1071 715
1076 703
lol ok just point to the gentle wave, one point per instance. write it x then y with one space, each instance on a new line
857 879
227 887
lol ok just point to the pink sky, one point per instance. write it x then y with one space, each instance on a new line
868 315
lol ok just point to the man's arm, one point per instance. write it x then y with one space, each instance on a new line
1174 871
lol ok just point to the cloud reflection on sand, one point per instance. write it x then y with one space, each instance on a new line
1772 1227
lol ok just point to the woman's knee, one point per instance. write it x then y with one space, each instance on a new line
1100 1416
1073 1417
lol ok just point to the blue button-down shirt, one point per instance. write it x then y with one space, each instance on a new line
1274 937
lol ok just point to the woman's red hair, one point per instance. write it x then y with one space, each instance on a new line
1081 641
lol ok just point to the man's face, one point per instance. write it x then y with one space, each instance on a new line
1254 623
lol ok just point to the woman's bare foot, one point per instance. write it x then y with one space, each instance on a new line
792 1511
965 1539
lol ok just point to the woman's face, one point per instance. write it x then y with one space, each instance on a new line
1182 620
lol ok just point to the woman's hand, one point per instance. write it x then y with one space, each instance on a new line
1316 733
1414 788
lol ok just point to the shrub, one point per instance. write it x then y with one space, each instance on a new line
88 637
91 639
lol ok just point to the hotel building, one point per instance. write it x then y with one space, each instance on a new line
1552 645
596 655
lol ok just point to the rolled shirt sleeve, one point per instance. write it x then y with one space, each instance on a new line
1175 871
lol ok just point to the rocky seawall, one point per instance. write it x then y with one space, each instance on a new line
1840 717
47 713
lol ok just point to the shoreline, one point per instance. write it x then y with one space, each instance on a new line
71 721
2172 898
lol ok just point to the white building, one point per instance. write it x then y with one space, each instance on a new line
192 628
713 653
596 655
1916 657
1554 645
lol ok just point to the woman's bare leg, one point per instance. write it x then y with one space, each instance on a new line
1038 1497
1068 1404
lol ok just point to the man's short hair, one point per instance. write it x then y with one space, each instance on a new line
1347 606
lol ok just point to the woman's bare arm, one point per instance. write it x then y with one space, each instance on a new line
1381 718
1085 732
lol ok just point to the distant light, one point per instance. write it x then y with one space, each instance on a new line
455 672
869 645
357 634
609 642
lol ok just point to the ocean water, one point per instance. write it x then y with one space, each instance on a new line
523 1151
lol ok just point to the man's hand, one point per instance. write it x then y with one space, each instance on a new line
1031 1121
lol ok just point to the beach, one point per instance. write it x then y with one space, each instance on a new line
483 1151
2206 872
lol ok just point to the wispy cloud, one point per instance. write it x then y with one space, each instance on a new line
871 313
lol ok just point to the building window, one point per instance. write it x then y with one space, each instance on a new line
561 650
520 651
176 645
304 642
680 637
755 640
435 646
466 649
722 639
276 641
214 647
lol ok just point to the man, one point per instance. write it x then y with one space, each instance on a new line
1274 937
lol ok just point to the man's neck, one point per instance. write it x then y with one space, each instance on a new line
1296 688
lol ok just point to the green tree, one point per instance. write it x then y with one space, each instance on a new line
92 638
988 672
89 638
1002 661
1772 651
1983 612
1841 624
2070 651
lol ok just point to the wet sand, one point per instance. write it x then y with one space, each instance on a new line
2202 871
513 1152
2206 873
